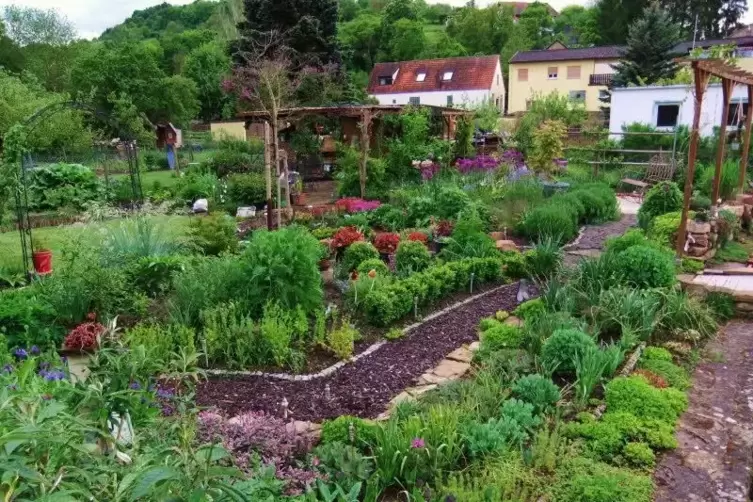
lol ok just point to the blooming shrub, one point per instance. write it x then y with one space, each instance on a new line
477 164
345 237
444 228
85 336
356 205
386 243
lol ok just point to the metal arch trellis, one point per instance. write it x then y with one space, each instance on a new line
21 193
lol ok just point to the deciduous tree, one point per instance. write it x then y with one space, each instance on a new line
27 25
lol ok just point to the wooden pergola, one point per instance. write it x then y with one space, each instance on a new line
730 75
365 115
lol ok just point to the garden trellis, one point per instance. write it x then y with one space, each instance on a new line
22 158
730 75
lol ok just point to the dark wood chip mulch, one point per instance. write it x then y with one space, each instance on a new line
365 388
594 236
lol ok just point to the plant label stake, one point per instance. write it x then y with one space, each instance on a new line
327 393
472 276
352 433
415 307
204 349
504 232
284 408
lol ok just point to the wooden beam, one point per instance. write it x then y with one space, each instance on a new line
701 82
365 144
727 87
746 142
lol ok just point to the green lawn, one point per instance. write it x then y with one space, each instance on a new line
165 178
59 237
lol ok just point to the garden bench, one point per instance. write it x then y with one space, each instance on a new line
660 168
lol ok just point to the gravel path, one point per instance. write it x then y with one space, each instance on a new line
365 388
715 436
594 236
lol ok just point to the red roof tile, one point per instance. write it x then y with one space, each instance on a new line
471 73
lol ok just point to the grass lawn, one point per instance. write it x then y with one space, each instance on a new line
58 237
165 178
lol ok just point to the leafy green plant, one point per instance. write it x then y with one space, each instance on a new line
530 309
468 239
561 350
656 354
153 275
538 390
214 234
544 260
635 395
674 375
138 238
411 256
246 189
728 181
645 267
375 264
162 341
550 222
547 145
631 310
502 336
662 198
590 367
229 336
282 265
349 430
640 455
683 313
662 230
721 304
357 253
340 340
633 237
583 480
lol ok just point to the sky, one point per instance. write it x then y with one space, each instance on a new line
92 17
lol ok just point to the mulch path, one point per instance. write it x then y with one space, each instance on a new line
715 436
594 236
365 388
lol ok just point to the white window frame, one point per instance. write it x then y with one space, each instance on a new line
556 72
414 100
421 76
739 101
450 100
447 76
655 116
570 95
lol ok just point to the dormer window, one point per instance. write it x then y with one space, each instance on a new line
386 80
447 76
420 76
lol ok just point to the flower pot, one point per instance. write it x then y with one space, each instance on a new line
324 264
299 199
42 261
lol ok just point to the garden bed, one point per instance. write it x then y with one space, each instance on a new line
365 388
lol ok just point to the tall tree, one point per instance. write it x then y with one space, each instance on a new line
27 25
360 39
576 26
614 18
650 50
308 28
208 66
538 24
482 31
706 18
732 12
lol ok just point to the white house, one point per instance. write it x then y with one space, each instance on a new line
454 82
665 107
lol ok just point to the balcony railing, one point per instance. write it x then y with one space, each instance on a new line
600 79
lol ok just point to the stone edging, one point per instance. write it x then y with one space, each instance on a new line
373 348
577 240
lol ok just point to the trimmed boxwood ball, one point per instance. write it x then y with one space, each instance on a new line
560 350
357 253
662 198
645 267
410 257
541 392
375 264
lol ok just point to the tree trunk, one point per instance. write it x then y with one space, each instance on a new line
268 174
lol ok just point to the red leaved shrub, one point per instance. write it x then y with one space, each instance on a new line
444 228
345 237
418 237
85 336
386 243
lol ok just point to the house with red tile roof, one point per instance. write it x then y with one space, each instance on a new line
455 82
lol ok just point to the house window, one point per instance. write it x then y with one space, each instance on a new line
420 77
385 80
552 71
736 114
394 101
603 94
578 95
447 75
449 100
573 72
523 75
666 114
414 100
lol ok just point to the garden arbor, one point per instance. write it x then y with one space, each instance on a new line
17 155
730 75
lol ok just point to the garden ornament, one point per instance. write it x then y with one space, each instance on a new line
523 294
201 206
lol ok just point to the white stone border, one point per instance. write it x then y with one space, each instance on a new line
373 348
577 240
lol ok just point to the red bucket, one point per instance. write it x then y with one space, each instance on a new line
42 262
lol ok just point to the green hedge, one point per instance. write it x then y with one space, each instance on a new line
395 300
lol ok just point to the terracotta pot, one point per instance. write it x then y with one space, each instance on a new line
42 261
299 199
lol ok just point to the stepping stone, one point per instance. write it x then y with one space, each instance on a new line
451 369
431 378
514 321
461 354
421 389
403 396
474 346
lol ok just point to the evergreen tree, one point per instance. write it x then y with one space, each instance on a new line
650 49
614 18
732 12
308 28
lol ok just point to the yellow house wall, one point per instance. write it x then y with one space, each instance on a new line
235 130
540 83
745 63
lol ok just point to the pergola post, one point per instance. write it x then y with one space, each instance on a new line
701 81
746 141
365 140
727 86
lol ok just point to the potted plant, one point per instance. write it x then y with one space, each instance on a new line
41 256
325 257
386 243
299 198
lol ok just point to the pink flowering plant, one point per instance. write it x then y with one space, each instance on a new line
356 205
